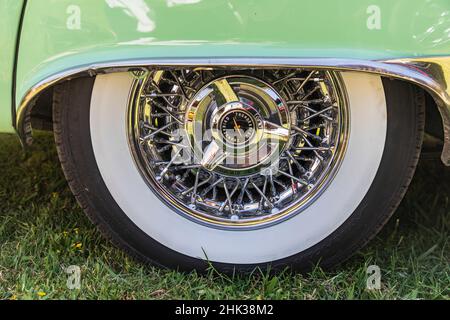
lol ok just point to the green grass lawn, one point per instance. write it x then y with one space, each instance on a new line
42 230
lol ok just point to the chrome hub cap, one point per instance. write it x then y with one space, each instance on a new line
243 148
237 126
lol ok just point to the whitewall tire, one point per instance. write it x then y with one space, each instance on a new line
92 135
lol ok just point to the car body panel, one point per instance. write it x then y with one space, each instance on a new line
10 13
64 34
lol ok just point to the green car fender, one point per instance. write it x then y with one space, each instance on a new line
408 39
10 14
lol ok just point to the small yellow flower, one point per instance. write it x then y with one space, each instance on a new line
78 245
41 294
54 195
65 233
76 230
13 297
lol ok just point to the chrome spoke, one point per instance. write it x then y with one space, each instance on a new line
243 191
262 194
273 131
194 191
293 178
307 134
226 91
166 168
213 156
305 81
204 182
156 131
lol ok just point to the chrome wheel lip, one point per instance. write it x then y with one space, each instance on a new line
255 223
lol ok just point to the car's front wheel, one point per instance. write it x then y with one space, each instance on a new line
241 168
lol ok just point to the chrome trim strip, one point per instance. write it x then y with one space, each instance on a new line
431 73
15 65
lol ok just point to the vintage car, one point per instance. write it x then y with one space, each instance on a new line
231 133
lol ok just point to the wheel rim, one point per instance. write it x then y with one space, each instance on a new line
238 149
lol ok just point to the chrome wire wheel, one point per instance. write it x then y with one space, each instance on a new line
238 148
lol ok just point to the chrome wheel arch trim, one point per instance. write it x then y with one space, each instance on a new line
430 73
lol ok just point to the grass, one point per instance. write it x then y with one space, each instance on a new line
42 230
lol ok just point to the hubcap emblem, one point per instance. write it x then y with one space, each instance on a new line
237 127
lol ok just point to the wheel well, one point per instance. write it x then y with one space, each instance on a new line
433 119
41 113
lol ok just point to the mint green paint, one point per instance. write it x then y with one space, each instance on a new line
55 38
9 21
